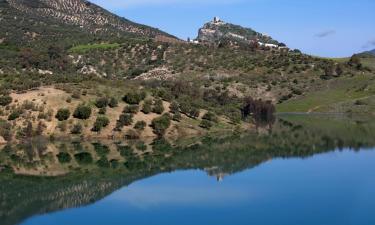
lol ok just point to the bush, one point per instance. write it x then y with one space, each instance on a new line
132 135
124 120
77 129
5 100
64 157
62 114
158 107
133 109
83 158
161 124
102 111
103 162
206 124
140 125
82 112
174 107
14 115
210 117
100 122
134 98
113 103
147 107
101 102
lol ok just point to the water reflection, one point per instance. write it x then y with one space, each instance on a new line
95 170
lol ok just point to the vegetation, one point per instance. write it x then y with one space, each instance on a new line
62 114
100 123
82 112
161 124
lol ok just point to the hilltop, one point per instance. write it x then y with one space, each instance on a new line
218 31
26 22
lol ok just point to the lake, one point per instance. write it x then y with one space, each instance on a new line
301 170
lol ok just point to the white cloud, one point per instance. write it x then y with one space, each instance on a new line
117 4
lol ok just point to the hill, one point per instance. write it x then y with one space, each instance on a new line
48 21
218 31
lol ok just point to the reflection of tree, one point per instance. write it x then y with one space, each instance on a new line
291 136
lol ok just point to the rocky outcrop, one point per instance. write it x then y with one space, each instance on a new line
218 30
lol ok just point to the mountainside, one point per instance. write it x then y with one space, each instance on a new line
218 30
33 20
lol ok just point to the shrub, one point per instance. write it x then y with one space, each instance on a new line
206 124
77 129
101 102
103 162
147 107
14 115
83 158
158 107
76 94
124 120
100 122
113 103
102 111
132 134
82 112
62 126
133 109
5 100
64 157
161 124
210 117
62 114
140 125
134 98
174 107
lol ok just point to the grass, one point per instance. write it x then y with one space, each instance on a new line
90 47
337 91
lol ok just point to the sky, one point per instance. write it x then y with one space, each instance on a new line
328 28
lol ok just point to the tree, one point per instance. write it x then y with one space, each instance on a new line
5 100
64 157
210 117
83 158
158 107
206 124
113 103
124 120
77 129
161 124
62 114
134 98
82 112
147 107
174 107
133 109
100 122
102 102
355 61
140 125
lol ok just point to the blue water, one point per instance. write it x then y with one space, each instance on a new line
337 188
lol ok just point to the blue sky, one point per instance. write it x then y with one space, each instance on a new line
331 28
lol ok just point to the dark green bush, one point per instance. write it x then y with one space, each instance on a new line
206 124
100 123
161 124
133 109
147 107
113 103
82 112
77 129
64 157
83 158
158 107
14 115
140 125
102 102
5 100
62 114
210 117
134 98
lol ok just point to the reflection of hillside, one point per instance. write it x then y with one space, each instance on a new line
291 136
